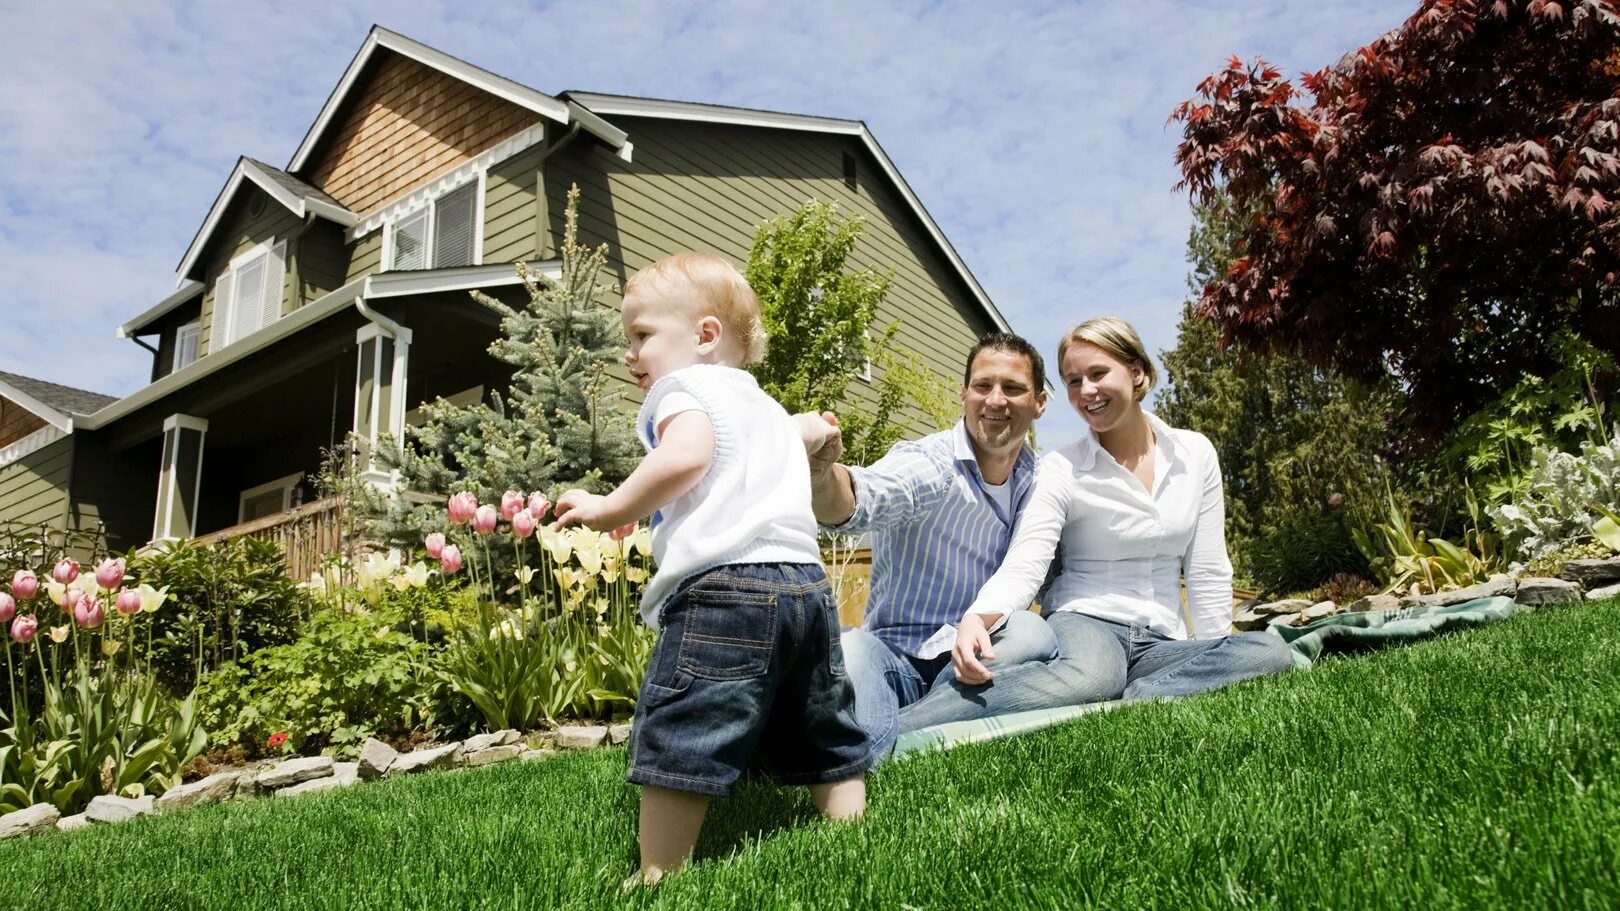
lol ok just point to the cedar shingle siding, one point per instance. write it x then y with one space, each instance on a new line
406 124
16 422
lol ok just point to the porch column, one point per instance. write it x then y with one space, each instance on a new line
379 394
179 477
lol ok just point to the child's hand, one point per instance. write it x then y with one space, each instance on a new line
823 440
577 507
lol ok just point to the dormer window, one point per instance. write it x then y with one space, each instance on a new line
441 235
248 294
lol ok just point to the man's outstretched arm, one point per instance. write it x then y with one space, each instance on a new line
832 492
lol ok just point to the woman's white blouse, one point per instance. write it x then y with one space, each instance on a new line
1125 549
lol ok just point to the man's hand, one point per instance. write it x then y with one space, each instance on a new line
577 507
973 643
823 441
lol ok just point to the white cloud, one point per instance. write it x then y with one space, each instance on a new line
1034 132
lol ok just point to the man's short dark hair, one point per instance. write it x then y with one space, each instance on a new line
1012 344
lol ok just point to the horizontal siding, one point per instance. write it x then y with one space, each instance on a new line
323 258
365 257
34 489
239 232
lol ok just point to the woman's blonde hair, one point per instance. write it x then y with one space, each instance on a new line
721 291
1115 337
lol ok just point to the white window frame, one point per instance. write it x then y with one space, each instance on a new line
252 493
234 270
194 330
428 199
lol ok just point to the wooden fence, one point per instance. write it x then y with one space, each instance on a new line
307 534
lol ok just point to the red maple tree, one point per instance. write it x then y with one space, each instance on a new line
1436 205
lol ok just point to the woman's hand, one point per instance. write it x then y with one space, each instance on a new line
972 643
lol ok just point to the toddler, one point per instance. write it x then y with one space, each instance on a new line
748 669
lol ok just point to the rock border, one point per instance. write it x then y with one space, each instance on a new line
300 775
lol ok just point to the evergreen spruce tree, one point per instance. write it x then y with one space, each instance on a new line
563 423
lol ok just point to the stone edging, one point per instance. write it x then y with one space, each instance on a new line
312 775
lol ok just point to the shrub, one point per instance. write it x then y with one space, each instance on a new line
227 599
1563 500
347 676
1303 551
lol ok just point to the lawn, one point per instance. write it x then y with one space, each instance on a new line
1477 770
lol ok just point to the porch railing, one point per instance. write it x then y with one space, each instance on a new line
306 533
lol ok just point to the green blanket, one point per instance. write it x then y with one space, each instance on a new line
1356 632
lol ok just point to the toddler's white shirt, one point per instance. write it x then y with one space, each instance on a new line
753 504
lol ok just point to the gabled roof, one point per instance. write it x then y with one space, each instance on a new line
501 87
53 402
189 290
292 194
630 106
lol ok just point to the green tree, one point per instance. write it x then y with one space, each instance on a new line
562 423
819 317
1301 449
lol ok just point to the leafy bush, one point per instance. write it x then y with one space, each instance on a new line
1407 559
1303 551
1551 563
346 677
1344 588
1564 500
227 599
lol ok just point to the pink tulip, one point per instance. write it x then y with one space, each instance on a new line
511 502
450 559
462 507
484 520
23 629
538 505
71 598
110 574
623 531
8 607
24 584
66 570
89 613
129 602
523 524
434 544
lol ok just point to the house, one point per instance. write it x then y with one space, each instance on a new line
330 295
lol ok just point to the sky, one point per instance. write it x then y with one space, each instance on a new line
1036 134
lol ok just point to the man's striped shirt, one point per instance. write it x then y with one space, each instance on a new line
937 535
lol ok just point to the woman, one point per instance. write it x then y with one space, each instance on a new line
1139 509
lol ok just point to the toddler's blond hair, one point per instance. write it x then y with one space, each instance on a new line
721 291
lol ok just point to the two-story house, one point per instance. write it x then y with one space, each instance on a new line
329 296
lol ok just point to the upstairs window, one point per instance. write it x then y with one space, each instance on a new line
185 345
247 296
439 236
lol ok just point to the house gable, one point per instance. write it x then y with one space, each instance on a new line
404 123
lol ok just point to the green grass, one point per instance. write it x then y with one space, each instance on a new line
1478 770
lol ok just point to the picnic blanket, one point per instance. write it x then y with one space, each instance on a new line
1340 633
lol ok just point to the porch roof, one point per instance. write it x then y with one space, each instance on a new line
378 286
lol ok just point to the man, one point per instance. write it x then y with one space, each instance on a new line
940 512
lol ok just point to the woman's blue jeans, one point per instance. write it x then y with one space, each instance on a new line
1099 660
887 680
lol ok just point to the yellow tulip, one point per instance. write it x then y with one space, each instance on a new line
642 540
59 634
555 543
525 574
152 598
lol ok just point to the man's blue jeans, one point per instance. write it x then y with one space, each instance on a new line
887 680
1101 660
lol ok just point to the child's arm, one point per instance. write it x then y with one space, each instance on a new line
685 448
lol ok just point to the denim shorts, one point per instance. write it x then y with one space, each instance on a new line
748 674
